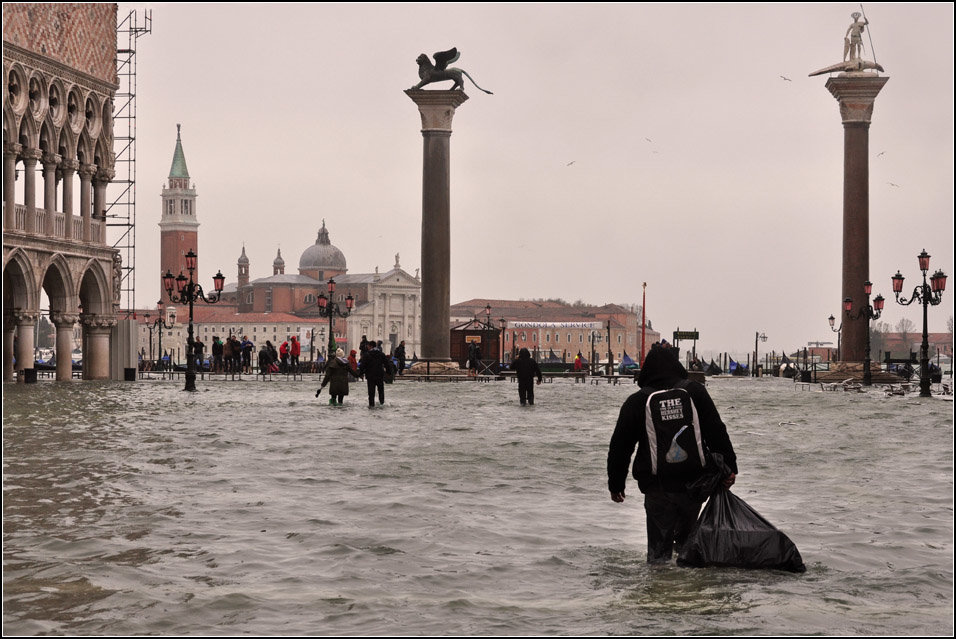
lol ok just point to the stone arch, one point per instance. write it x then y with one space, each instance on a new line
66 145
106 118
48 135
59 286
19 283
94 291
9 123
27 133
84 149
102 154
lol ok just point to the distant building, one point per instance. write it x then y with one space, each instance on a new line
387 306
546 327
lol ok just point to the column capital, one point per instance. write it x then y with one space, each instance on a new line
69 165
12 148
63 320
437 108
95 321
87 171
856 93
24 318
30 155
104 174
51 160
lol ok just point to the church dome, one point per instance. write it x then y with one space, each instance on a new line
322 256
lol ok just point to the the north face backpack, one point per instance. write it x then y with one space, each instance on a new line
673 434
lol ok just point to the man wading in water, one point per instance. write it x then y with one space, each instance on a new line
668 461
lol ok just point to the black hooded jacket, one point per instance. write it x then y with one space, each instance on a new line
661 370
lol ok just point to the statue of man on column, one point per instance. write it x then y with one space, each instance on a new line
853 41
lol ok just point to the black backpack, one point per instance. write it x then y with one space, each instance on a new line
673 434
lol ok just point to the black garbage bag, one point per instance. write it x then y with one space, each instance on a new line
730 533
715 472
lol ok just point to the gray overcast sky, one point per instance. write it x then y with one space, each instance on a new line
696 167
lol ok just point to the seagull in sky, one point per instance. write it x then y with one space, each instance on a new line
880 153
649 140
786 78
891 184
570 163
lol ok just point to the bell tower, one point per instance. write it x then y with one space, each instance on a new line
179 230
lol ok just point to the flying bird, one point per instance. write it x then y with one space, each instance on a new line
786 78
880 153
570 163
649 140
891 184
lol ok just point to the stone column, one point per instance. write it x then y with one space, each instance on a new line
67 169
64 344
30 157
437 108
100 181
26 324
9 329
50 163
86 180
11 151
96 346
856 93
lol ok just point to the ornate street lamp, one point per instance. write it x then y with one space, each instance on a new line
870 312
188 292
329 308
760 337
927 294
838 330
160 325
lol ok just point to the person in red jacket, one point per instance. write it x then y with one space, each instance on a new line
284 356
294 350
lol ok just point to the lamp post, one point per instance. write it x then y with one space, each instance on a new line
329 308
188 292
838 331
502 324
159 324
760 337
927 294
870 312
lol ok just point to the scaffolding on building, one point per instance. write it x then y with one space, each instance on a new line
121 193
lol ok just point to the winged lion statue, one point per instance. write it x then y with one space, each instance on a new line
440 71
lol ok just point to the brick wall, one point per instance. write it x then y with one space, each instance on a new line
79 35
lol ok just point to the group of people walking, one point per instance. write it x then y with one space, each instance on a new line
373 365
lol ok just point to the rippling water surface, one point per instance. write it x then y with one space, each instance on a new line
252 507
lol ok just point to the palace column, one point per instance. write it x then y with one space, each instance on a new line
30 157
11 151
26 323
856 92
64 343
101 179
50 163
9 331
67 169
437 108
86 182
96 345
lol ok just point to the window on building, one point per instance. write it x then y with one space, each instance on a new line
547 337
187 208
619 338
534 337
170 207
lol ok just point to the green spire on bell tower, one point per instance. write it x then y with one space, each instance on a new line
178 169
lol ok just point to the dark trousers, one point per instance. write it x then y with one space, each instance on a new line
526 393
374 384
670 519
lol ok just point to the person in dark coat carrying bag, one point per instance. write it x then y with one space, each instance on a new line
671 450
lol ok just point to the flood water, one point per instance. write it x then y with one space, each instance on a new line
254 508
